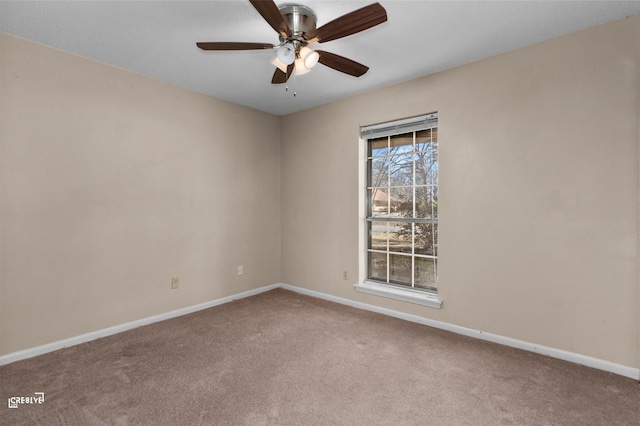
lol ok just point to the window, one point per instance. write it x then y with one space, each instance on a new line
402 206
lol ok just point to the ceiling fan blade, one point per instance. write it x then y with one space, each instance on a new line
270 12
351 23
230 45
280 76
342 64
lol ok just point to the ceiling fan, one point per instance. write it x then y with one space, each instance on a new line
296 26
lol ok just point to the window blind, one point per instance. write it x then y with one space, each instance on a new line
397 127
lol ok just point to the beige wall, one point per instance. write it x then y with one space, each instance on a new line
538 192
111 183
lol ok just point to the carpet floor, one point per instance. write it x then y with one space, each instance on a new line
281 358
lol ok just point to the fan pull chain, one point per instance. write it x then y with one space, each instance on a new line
294 84
286 89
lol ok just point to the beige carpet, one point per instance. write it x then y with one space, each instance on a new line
280 358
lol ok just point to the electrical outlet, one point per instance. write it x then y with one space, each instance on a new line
175 283
345 275
240 270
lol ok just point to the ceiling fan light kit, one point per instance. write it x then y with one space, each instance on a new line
279 64
286 54
309 57
296 26
300 67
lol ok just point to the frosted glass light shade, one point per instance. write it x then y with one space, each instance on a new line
300 67
286 54
310 57
278 63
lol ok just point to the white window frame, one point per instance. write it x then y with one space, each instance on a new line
406 294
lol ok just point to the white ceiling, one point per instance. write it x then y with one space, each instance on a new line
157 39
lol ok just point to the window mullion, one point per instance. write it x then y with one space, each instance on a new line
415 213
435 225
388 206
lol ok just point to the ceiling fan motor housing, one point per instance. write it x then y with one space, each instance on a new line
301 20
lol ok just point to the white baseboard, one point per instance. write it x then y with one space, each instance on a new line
54 346
599 364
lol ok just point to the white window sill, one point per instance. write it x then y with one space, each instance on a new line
404 294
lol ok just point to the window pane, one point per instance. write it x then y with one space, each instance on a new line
377 266
378 202
401 170
378 235
426 239
401 143
400 237
426 146
401 201
427 139
378 147
427 168
426 273
427 202
400 269
379 172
